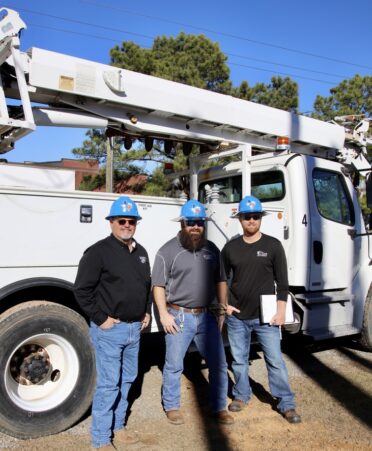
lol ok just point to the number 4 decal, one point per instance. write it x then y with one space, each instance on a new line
304 220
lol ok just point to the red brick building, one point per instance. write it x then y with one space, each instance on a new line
129 186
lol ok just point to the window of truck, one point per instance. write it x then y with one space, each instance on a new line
267 186
332 197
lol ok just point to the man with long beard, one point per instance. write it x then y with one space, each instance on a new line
188 275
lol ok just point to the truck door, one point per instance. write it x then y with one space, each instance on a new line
334 253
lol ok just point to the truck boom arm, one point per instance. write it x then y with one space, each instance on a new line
141 105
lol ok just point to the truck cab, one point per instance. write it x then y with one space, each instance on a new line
314 211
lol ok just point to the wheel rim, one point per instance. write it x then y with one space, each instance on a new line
41 372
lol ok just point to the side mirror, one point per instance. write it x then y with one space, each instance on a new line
369 189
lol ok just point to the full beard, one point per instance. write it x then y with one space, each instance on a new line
192 242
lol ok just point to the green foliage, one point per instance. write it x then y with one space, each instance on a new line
90 183
281 93
189 59
131 56
264 193
363 205
158 184
94 147
244 91
353 96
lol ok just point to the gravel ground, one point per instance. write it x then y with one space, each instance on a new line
333 387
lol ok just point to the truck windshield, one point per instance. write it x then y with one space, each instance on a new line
267 186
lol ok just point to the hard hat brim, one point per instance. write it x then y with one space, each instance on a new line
185 218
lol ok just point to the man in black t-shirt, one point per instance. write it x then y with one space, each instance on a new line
257 265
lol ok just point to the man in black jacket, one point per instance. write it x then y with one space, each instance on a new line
113 288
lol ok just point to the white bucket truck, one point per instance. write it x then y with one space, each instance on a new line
304 181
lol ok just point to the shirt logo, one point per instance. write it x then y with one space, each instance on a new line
143 259
261 254
207 257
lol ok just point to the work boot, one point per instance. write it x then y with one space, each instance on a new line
175 417
125 437
222 417
292 416
237 405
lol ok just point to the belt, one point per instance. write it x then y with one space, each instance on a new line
194 310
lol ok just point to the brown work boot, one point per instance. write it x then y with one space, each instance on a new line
125 437
292 416
237 405
222 417
175 417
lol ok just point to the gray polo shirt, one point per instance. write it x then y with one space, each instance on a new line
189 277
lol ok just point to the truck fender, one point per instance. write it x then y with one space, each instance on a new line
34 282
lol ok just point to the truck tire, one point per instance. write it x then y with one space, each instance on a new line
47 369
366 335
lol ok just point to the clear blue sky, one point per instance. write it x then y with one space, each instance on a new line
262 38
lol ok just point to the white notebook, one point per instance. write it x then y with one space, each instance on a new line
268 308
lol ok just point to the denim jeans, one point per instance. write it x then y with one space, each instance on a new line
239 333
201 328
116 352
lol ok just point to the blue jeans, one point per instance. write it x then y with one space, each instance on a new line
201 328
239 333
116 351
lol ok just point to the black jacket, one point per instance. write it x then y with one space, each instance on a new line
111 281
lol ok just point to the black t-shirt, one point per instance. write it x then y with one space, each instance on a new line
254 270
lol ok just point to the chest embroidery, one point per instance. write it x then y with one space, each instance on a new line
261 254
207 257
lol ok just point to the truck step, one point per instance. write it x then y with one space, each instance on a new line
325 297
332 332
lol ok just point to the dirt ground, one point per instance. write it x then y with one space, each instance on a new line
333 386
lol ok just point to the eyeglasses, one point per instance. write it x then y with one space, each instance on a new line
248 217
131 222
194 222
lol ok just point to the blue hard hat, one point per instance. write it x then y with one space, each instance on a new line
250 204
124 206
193 209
